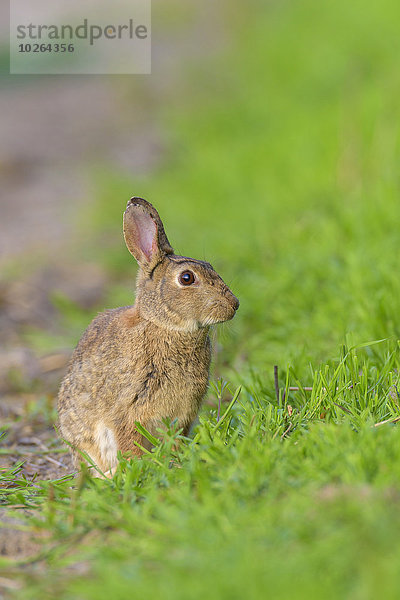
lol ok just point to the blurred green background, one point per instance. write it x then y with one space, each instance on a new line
268 138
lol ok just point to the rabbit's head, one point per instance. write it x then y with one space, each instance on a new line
173 291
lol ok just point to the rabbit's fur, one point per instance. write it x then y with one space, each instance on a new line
146 362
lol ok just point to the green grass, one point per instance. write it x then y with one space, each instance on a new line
282 170
302 501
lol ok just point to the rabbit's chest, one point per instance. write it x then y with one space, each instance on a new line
179 383
170 382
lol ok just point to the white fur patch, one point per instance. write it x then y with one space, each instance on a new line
107 445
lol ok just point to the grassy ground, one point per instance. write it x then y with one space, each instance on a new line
282 170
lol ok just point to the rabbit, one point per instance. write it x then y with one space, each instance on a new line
147 362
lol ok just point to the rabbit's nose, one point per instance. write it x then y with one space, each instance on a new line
235 302
231 298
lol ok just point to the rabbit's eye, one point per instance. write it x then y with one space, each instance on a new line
186 278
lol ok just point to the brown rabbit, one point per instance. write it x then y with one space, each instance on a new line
145 362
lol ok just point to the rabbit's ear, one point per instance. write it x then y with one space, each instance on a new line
144 233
